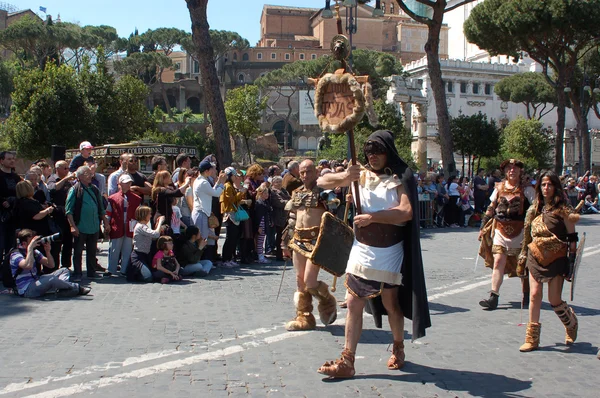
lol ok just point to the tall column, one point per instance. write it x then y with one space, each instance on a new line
422 136
406 114
182 102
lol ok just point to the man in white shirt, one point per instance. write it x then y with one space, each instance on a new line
203 194
113 178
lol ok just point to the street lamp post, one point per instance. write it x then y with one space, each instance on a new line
351 17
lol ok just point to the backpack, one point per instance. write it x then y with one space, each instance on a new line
8 279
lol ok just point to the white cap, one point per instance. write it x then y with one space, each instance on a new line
85 145
125 178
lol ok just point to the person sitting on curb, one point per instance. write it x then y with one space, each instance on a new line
190 253
26 262
165 267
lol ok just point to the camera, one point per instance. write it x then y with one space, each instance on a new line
50 238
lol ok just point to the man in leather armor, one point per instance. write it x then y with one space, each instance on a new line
307 207
384 273
502 229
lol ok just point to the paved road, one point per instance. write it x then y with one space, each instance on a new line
224 336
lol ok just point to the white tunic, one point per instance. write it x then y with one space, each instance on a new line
381 264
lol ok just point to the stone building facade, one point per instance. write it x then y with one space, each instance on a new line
290 34
469 90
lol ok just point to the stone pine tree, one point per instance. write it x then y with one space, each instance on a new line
434 21
554 33
210 79
244 109
530 89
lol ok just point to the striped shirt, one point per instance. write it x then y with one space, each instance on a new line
26 276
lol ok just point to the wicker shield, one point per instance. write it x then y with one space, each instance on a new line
578 258
333 245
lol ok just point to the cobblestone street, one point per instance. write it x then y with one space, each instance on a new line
224 336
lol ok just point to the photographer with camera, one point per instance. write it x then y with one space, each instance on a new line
26 262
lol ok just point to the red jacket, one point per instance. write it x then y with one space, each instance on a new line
117 224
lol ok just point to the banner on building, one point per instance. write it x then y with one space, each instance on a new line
306 109
137 150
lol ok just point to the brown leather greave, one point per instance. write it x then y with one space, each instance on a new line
396 361
569 319
327 304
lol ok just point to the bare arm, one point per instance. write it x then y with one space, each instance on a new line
43 213
341 179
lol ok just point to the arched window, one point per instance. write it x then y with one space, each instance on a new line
391 8
312 143
383 7
303 144
235 56
245 57
241 78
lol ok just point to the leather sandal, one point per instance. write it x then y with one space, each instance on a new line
342 368
396 361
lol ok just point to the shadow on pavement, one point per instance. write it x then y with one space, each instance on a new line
583 348
474 383
368 336
443 309
11 304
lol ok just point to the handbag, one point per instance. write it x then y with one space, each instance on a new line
240 214
213 221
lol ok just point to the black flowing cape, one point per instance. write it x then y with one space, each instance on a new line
413 293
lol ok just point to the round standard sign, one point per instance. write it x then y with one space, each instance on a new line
339 102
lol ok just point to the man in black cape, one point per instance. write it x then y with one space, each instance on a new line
385 269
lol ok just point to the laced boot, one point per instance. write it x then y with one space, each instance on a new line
342 368
490 303
304 319
327 304
532 337
396 361
568 318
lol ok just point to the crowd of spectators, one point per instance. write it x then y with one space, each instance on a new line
167 226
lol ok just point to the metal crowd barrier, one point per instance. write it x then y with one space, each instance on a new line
426 204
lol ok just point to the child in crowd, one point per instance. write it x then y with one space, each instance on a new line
176 222
143 235
262 214
165 267
189 254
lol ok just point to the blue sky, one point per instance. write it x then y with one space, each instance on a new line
242 16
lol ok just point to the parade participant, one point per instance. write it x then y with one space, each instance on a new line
548 251
308 207
385 269
502 229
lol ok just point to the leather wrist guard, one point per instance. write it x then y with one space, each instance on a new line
573 237
484 221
